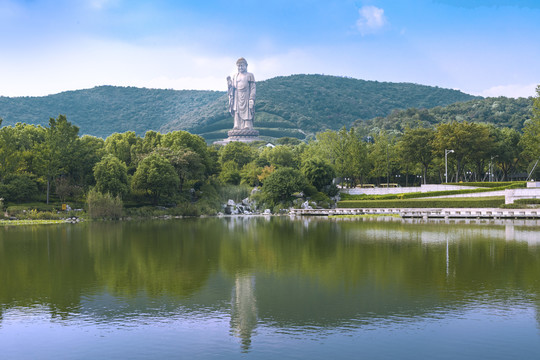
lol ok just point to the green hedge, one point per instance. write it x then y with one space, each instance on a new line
415 195
476 202
495 184
527 201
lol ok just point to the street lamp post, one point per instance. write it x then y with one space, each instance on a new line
491 168
446 152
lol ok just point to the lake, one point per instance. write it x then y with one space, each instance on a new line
271 287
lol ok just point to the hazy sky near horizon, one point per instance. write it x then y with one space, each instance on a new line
482 47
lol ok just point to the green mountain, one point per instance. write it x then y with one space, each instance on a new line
297 106
500 111
103 110
302 105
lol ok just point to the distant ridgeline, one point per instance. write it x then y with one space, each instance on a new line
295 106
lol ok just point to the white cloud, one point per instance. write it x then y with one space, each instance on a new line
512 90
371 19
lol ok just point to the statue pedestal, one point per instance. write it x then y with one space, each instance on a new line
242 135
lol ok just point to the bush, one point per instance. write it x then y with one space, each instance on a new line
527 201
503 184
103 206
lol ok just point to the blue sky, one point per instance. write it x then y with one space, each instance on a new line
482 47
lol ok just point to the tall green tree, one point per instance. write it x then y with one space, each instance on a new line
122 146
345 151
91 151
182 140
384 156
279 186
58 153
416 147
279 156
239 152
507 152
156 176
470 142
187 163
111 176
11 158
318 173
531 132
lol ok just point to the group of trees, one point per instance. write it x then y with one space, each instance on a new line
476 151
36 161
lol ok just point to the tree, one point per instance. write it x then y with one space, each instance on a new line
279 186
470 142
58 153
91 151
19 187
507 151
318 173
65 187
230 173
345 151
156 176
239 152
280 156
250 173
11 159
416 146
187 163
531 132
111 176
383 155
182 140
120 145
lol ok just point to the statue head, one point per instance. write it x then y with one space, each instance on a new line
241 60
242 65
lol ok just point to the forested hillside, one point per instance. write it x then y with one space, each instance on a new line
296 106
104 110
301 105
501 111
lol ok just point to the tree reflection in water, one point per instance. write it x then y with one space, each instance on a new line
310 272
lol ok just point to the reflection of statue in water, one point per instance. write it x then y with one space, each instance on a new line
241 90
244 309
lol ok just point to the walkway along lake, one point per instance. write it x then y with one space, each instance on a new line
271 287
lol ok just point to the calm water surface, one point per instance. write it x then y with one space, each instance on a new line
267 288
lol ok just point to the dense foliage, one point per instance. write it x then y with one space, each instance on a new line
179 170
293 106
302 105
104 110
500 111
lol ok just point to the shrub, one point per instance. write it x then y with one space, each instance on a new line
527 201
103 206
504 184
